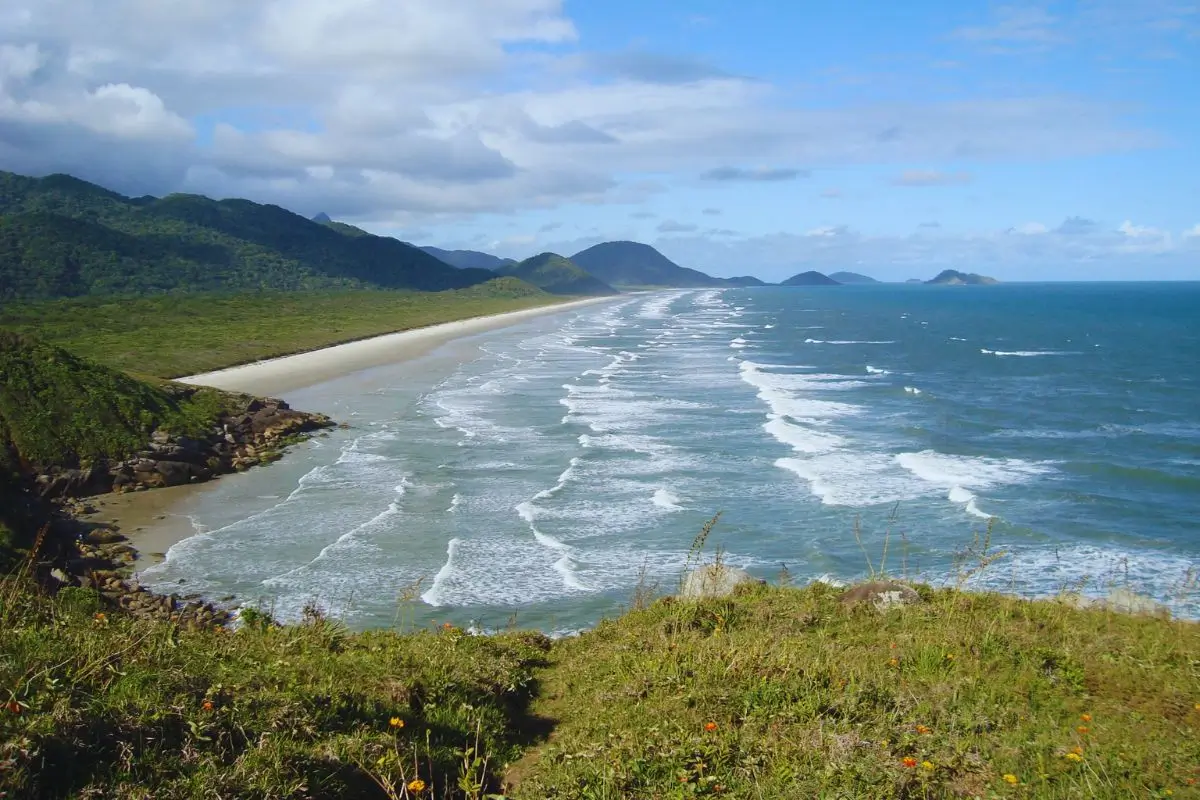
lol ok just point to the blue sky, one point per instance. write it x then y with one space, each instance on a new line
1052 141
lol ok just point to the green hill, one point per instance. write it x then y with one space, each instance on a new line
63 237
746 281
952 277
636 264
810 278
852 277
468 259
557 275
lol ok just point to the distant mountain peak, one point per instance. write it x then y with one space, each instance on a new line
952 277
810 278
322 218
557 275
852 277
635 264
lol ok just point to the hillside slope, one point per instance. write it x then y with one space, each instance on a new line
852 277
952 277
810 278
64 237
636 264
468 259
557 275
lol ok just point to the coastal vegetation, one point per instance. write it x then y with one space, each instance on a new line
771 692
171 336
952 277
64 237
810 278
557 275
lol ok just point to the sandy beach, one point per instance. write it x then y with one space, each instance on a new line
146 518
277 376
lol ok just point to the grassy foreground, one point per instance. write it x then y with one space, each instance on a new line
772 693
168 336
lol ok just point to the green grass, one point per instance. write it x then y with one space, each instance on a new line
772 693
171 336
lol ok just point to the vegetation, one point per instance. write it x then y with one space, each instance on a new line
773 692
57 409
64 237
557 275
952 277
810 278
186 334
467 259
852 277
630 264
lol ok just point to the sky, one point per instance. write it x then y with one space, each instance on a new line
1043 141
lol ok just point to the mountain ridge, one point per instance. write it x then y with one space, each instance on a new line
625 263
810 278
952 277
557 275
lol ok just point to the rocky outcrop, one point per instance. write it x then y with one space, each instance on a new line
254 435
883 595
714 580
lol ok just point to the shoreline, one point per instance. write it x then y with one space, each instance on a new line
147 519
275 376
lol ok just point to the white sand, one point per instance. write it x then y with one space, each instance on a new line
289 373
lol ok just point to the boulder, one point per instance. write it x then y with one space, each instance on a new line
103 536
714 580
883 595
177 473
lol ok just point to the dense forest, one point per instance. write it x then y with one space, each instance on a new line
64 237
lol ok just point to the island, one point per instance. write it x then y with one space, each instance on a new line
810 278
952 277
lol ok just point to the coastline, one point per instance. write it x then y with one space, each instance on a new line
146 518
277 376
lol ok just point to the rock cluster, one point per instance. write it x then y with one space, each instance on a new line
101 561
236 442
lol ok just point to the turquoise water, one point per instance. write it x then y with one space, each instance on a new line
565 460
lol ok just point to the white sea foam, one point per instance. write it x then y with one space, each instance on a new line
1024 353
665 499
843 341
800 438
912 390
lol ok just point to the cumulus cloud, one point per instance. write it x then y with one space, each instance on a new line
414 113
929 177
758 174
1104 253
1192 232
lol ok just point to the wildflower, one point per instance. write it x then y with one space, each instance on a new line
396 723
1082 729
909 762
207 705
446 626
924 730
1077 750
710 727
13 707
1073 756
100 618
1086 717
1011 779
949 656
894 663
927 765
416 786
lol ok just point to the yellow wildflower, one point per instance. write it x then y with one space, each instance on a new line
1073 756
396 723
416 786
927 765
1011 779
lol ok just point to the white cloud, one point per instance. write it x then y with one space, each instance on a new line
1192 232
1030 228
929 177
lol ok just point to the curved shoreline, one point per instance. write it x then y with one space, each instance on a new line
289 373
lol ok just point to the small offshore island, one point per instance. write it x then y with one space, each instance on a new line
734 688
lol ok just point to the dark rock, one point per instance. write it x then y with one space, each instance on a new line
103 536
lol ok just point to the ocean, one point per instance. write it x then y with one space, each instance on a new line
540 474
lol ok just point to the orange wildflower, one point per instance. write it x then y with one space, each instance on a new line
13 707
207 705
924 729
909 762
1086 717
710 727
1082 729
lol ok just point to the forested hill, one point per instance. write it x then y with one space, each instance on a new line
64 237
